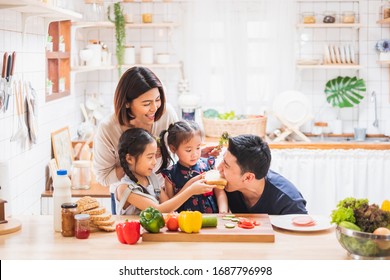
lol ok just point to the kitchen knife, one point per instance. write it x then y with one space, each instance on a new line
5 59
13 63
8 86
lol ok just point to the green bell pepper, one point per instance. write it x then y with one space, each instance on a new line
151 219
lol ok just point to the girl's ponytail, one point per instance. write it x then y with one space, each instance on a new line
165 156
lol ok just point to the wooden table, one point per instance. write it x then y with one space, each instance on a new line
37 240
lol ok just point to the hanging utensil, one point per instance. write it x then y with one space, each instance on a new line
10 73
373 98
3 81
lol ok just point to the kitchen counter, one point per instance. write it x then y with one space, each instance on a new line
36 240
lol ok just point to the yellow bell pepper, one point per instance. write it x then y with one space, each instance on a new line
190 221
386 205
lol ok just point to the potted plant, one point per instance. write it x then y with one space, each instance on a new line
49 43
345 92
49 87
383 47
120 33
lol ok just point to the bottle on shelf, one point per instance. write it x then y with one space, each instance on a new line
61 194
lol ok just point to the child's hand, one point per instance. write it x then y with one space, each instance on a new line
200 187
210 151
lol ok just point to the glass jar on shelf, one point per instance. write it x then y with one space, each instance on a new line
147 11
329 17
385 10
348 17
308 17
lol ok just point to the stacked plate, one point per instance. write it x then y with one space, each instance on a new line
344 54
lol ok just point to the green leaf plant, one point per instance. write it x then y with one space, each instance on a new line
345 92
120 33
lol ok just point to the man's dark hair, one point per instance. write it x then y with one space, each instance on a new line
252 153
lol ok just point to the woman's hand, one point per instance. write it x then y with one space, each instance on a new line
210 151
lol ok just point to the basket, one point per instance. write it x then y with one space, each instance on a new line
252 125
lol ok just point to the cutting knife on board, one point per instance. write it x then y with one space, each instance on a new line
10 73
3 81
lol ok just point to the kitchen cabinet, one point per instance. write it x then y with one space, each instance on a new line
321 52
58 60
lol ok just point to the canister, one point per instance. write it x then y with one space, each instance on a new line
163 58
146 55
129 55
97 54
67 218
81 174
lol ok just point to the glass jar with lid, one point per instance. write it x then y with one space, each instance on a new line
68 210
81 174
329 17
82 229
308 17
348 17
385 10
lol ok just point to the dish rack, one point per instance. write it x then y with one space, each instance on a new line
253 124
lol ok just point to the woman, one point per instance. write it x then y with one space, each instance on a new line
139 101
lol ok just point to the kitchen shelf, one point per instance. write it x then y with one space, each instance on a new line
328 1
109 24
329 25
55 55
83 69
37 8
384 21
330 66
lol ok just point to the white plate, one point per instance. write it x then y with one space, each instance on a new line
327 55
342 54
293 106
332 54
352 52
285 222
337 53
347 55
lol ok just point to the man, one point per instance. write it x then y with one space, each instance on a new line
252 187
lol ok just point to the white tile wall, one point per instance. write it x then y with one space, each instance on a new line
375 75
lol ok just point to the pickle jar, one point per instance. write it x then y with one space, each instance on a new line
68 210
82 226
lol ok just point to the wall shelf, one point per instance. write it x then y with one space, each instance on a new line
84 69
329 25
109 24
37 8
330 66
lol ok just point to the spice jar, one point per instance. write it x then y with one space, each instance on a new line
81 174
308 17
348 17
147 16
68 210
82 226
329 17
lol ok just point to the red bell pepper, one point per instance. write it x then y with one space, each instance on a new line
128 232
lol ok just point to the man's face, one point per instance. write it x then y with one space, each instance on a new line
229 169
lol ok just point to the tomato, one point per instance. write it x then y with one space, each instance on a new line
172 224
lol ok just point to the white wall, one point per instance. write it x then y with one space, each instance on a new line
375 75
27 166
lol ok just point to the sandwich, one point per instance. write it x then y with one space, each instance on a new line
213 177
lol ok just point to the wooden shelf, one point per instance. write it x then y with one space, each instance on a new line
83 69
328 1
57 55
384 62
330 66
384 21
109 24
37 8
329 25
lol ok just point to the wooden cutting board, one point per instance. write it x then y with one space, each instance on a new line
262 233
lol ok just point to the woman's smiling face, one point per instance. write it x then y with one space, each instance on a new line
144 108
